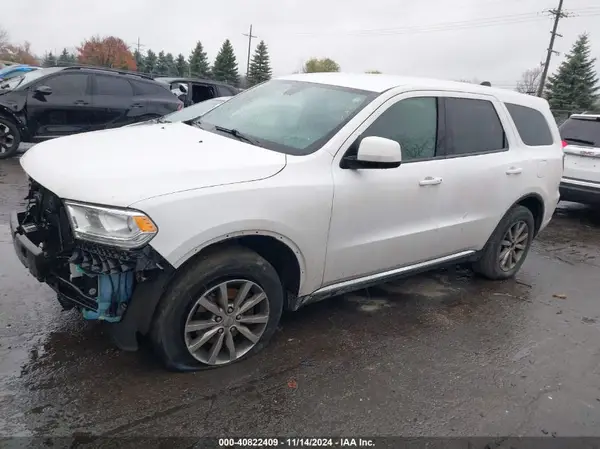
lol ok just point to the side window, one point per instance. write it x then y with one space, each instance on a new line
112 85
531 124
68 84
413 124
149 88
473 127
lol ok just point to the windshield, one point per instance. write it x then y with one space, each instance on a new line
292 117
27 78
194 111
584 132
9 68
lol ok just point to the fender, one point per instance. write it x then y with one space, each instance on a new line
16 118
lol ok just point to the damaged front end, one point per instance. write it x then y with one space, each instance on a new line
105 282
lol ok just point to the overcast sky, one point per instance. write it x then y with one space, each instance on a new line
493 40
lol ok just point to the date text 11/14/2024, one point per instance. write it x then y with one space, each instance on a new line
296 442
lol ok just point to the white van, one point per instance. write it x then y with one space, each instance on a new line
200 234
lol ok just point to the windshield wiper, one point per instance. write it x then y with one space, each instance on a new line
162 120
239 135
583 141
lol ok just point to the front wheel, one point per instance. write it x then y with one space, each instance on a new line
508 246
10 138
222 309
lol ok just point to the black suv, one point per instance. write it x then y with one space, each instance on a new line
194 90
59 101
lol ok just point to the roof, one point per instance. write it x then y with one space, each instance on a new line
171 79
375 82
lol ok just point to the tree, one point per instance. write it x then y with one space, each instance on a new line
225 67
170 62
199 66
314 65
49 60
162 68
181 65
4 40
106 52
66 58
150 62
20 54
530 80
376 72
574 86
260 68
139 61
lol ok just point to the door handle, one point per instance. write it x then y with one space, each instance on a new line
430 181
137 105
80 102
514 171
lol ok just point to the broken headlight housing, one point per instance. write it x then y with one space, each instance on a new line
123 228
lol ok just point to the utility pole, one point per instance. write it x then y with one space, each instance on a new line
558 14
250 37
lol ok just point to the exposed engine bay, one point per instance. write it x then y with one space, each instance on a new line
99 280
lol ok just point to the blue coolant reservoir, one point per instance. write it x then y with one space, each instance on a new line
112 289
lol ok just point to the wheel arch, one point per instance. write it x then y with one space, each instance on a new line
535 203
277 249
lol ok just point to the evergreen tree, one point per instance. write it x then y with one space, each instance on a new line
199 67
65 58
260 69
574 87
162 68
225 67
150 62
181 66
49 60
139 61
170 62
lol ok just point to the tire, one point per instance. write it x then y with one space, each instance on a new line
238 267
8 129
489 264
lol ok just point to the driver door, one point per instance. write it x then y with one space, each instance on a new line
384 219
67 110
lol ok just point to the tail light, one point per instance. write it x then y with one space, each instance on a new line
180 107
564 144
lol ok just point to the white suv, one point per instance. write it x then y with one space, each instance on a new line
200 234
581 144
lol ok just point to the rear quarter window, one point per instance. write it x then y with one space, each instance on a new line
150 88
531 125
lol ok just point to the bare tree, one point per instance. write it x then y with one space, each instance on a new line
530 80
3 40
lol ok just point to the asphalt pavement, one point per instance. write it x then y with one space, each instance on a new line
442 354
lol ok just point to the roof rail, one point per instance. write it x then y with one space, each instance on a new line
104 69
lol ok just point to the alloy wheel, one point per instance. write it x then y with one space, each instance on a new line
226 322
513 245
7 139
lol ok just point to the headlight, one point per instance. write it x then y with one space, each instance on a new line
124 228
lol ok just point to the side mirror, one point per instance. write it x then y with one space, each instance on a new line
375 152
43 90
182 88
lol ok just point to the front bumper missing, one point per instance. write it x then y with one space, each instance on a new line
139 313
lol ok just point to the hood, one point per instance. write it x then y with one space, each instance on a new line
122 166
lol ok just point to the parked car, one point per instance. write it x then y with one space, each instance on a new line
193 90
581 144
299 189
190 113
12 71
60 101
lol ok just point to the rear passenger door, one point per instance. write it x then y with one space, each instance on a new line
483 172
114 102
156 97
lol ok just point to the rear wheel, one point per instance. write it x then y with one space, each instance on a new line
508 246
10 138
222 309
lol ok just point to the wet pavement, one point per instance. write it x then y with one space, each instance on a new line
443 354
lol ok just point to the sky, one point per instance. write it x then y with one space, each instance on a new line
494 40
